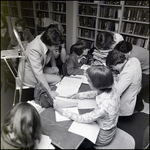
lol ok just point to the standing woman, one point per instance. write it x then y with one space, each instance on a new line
40 53
24 33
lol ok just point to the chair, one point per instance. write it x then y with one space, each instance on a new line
19 82
122 140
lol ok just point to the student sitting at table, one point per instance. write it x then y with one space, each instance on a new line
21 128
106 113
142 55
24 33
77 58
128 80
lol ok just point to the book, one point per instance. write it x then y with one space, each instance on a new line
68 86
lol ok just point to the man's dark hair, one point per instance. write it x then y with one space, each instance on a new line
115 57
123 46
52 36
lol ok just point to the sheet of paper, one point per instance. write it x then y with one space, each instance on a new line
66 102
71 81
89 130
85 67
86 104
83 77
63 118
65 91
45 143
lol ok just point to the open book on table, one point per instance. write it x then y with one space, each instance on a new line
68 86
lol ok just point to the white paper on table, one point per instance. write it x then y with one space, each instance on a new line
88 130
85 67
65 91
83 77
71 81
45 143
63 118
87 104
66 102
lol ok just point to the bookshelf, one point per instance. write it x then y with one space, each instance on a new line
129 18
27 13
10 9
135 23
83 19
58 13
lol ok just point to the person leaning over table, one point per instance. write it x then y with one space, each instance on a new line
77 58
128 80
106 113
39 53
142 55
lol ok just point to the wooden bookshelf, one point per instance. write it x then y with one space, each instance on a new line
129 18
83 19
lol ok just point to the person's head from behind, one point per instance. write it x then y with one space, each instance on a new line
115 60
78 48
107 40
20 24
100 78
124 47
52 38
24 124
104 40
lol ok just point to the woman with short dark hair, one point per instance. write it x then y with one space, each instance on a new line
24 33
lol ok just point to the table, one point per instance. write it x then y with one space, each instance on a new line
58 131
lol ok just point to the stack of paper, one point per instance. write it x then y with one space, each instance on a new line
68 86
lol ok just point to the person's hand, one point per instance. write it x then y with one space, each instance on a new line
57 108
53 94
54 70
74 96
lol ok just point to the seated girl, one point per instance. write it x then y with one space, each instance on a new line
78 57
21 128
106 113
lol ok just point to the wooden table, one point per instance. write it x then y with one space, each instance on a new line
58 131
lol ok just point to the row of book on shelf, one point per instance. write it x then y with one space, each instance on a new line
88 10
59 7
136 14
137 3
87 22
26 4
137 29
86 33
136 41
59 17
108 12
42 5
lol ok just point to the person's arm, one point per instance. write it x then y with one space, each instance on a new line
85 95
52 60
124 80
63 54
84 118
71 70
